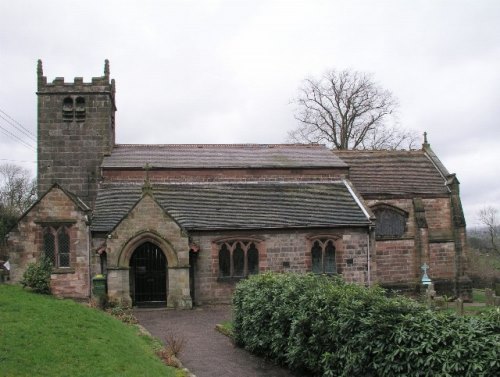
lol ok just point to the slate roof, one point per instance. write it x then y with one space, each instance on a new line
187 156
394 172
222 205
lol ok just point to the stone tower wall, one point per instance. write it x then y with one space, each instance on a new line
75 131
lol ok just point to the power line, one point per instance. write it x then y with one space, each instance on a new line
8 159
18 125
18 139
20 130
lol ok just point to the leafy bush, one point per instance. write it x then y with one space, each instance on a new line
37 276
121 312
323 326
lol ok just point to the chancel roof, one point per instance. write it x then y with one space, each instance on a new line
192 156
223 205
395 172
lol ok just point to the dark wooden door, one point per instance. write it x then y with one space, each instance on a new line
148 270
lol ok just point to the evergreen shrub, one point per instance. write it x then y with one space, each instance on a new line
37 276
322 326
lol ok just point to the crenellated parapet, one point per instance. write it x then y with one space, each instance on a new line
101 84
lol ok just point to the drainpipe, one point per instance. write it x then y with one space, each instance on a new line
89 259
368 258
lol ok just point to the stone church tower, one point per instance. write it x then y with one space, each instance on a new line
76 129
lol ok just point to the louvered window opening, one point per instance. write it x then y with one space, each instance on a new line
238 259
56 246
73 109
390 223
323 257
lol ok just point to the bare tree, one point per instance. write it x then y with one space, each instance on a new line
488 216
348 110
17 188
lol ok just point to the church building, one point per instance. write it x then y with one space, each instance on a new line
180 224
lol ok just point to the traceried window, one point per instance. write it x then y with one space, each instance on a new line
390 223
323 257
56 245
238 259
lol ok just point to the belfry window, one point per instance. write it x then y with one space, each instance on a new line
73 109
238 259
56 245
68 109
323 257
390 223
80 109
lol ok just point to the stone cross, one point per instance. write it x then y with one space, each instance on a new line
424 268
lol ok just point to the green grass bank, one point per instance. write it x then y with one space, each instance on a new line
45 336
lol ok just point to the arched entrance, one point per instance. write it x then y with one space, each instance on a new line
148 275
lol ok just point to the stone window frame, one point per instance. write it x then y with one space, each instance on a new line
73 108
68 109
322 241
397 212
55 227
233 245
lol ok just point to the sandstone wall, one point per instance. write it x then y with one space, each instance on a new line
279 251
26 243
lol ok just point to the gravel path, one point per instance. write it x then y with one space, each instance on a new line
207 353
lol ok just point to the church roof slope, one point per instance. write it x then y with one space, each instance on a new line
394 172
192 156
222 205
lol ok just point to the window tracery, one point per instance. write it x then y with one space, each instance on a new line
390 221
238 258
323 256
56 245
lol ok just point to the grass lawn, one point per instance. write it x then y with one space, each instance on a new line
45 336
226 328
478 295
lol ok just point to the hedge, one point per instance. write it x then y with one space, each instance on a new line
322 326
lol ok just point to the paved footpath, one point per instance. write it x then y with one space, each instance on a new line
207 353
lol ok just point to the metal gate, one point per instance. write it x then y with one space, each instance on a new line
148 275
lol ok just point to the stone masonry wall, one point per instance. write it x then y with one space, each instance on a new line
396 261
438 213
147 222
26 243
279 251
70 152
442 257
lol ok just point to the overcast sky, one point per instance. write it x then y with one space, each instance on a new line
205 71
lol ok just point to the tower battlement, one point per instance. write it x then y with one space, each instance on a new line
97 84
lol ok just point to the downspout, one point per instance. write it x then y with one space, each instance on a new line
89 259
368 258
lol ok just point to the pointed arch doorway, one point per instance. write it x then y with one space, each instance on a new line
148 275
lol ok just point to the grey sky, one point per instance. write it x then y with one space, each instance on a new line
225 71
